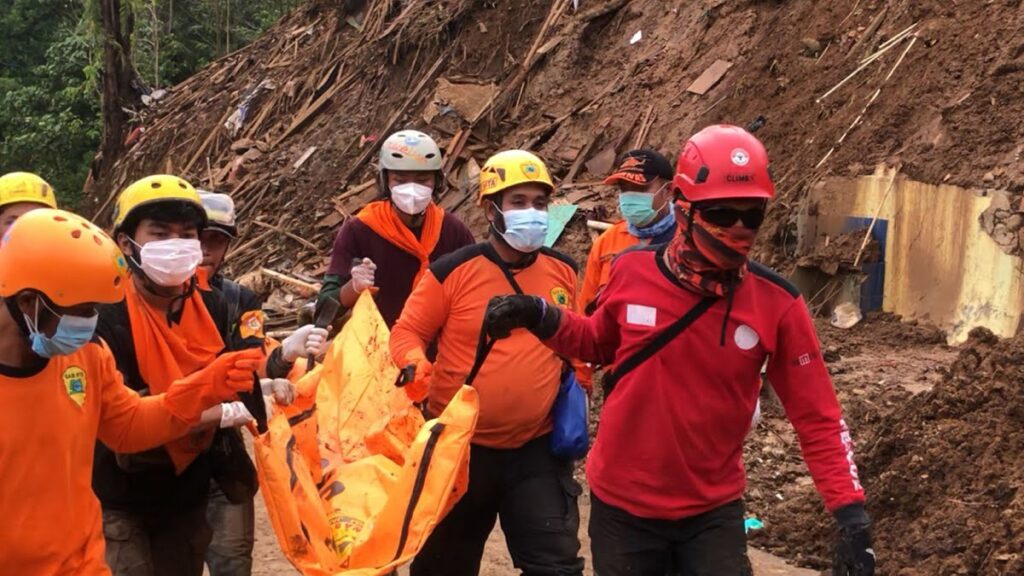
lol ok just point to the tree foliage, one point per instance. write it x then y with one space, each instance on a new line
51 70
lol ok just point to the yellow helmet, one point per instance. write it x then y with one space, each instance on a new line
152 189
511 168
25 187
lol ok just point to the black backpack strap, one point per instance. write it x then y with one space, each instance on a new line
511 278
232 293
655 344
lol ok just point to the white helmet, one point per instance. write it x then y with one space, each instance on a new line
410 150
220 212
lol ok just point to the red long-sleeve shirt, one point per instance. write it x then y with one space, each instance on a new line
670 443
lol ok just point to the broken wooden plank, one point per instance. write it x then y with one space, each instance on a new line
248 244
868 34
305 156
286 279
557 9
455 149
602 125
209 139
315 108
298 239
645 126
710 77
601 164
354 191
331 220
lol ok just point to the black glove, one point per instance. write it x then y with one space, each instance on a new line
854 555
506 313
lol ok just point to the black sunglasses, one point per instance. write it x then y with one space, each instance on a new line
726 217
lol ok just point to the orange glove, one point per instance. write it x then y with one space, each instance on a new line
226 376
419 387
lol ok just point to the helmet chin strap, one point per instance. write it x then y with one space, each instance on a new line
19 317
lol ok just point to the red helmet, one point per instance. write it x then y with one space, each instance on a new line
723 162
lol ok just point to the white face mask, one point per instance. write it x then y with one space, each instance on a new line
411 198
170 262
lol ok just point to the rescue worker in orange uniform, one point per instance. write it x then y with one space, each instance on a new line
60 392
170 324
644 179
513 474
20 193
231 510
688 326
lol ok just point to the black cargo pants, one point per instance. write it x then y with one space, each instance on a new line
535 496
709 544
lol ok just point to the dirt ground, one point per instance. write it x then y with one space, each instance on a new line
268 560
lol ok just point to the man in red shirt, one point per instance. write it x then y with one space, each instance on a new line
666 471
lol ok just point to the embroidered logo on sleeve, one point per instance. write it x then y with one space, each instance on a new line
74 384
561 296
251 324
641 315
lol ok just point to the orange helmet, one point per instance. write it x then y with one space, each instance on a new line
63 256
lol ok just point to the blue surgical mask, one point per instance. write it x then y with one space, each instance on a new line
525 230
73 332
637 208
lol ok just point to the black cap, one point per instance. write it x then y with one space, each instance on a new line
641 167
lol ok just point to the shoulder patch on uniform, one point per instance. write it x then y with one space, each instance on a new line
561 296
75 384
762 271
560 256
250 325
445 265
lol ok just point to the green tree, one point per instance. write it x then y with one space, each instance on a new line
51 59
48 98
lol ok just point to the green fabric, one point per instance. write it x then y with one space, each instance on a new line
331 288
558 216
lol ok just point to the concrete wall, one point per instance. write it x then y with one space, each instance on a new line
939 264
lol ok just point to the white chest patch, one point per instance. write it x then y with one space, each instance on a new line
745 337
641 315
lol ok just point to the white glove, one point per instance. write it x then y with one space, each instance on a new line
281 389
234 414
363 275
305 341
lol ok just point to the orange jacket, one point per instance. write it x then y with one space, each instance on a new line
608 245
52 418
519 381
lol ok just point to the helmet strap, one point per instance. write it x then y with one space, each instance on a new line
19 317
498 224
177 304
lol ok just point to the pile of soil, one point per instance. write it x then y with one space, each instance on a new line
942 470
845 252
322 87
